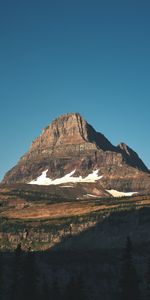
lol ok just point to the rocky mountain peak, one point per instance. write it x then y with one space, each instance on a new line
132 157
66 129
70 129
69 144
124 147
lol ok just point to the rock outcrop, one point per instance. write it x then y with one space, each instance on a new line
131 157
70 143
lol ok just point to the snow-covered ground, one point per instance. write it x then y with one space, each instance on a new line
93 196
115 193
44 180
69 178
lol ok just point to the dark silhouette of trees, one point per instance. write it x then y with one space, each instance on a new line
17 274
1 275
18 251
30 278
75 289
45 292
129 283
148 280
55 291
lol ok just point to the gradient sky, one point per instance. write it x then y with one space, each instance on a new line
86 56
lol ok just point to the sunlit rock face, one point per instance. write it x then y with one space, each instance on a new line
70 143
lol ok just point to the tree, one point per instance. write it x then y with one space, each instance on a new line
30 275
148 281
1 275
129 283
55 291
45 291
17 274
75 289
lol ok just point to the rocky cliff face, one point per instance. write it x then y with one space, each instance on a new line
70 143
131 157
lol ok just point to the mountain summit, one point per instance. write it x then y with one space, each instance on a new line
69 145
71 129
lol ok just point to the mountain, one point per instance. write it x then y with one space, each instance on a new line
70 150
131 157
58 215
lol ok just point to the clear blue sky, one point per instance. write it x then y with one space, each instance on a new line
87 56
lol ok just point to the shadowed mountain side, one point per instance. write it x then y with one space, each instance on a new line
99 139
110 232
85 264
39 217
65 275
132 157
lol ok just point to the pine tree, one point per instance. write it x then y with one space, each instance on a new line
17 274
55 291
45 294
129 282
75 289
30 274
148 281
1 276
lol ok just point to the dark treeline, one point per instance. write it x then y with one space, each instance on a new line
56 275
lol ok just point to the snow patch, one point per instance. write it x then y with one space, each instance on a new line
66 186
93 196
116 193
43 180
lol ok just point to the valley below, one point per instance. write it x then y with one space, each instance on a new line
40 219
58 248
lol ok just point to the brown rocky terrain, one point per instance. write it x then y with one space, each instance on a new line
70 143
40 218
71 237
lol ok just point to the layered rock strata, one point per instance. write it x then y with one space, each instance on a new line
70 143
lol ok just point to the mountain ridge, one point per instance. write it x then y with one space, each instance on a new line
70 143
